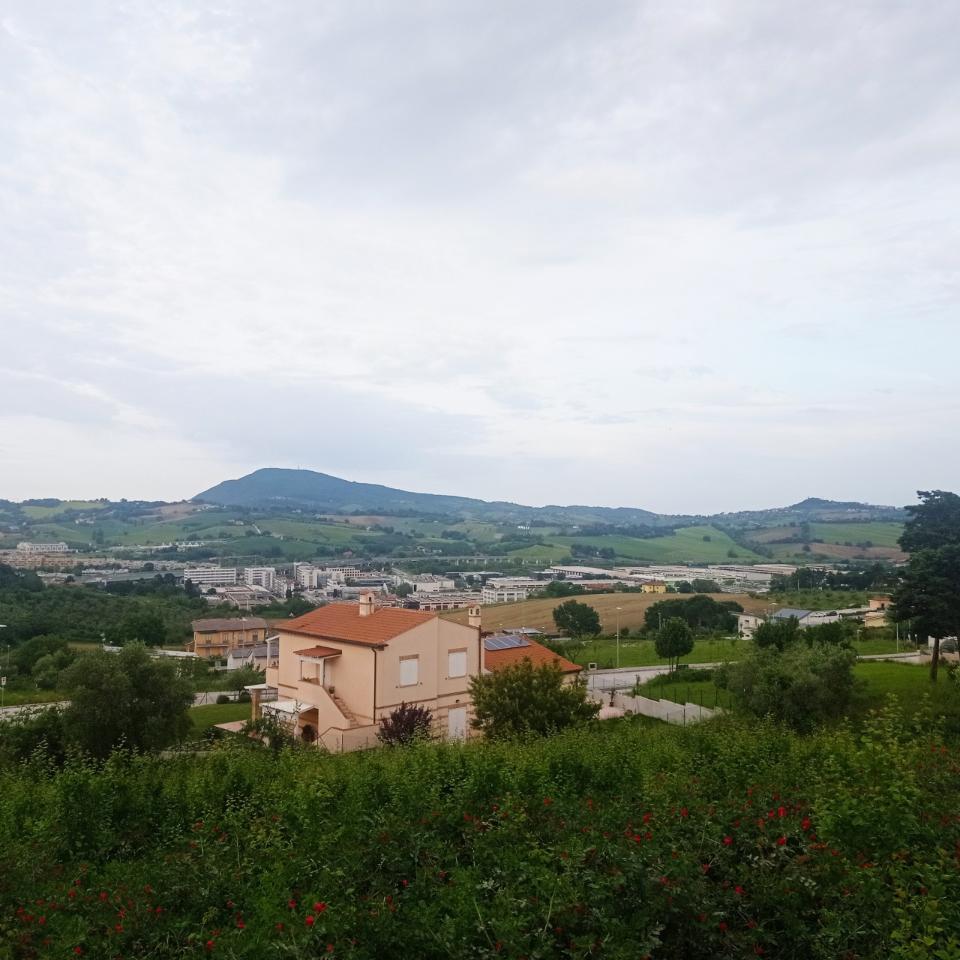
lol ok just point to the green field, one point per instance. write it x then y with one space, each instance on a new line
879 534
42 513
207 716
908 683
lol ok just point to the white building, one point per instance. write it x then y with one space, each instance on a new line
260 577
307 576
59 547
428 582
211 576
747 624
509 589
451 600
340 573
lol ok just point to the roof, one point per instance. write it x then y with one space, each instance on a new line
536 653
318 653
342 621
216 623
787 612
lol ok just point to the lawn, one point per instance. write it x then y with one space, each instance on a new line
879 534
16 698
43 513
207 716
820 599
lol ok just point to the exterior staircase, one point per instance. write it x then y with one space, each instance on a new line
345 710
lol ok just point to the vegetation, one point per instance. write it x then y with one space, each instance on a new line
701 613
673 641
408 724
929 590
618 840
576 619
522 699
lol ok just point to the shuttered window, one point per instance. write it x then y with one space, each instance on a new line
457 663
409 671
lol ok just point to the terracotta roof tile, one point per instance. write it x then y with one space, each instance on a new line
342 621
536 653
317 652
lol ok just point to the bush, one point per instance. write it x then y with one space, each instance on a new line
224 698
801 686
407 724
727 839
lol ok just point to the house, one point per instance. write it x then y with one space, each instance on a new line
878 610
747 624
216 637
343 668
256 655
807 618
653 586
501 650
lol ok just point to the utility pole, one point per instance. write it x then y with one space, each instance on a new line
618 636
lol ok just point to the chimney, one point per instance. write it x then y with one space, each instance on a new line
473 617
366 604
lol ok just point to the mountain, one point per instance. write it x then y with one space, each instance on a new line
277 488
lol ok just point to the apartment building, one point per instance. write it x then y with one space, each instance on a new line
509 589
58 547
345 667
215 638
211 576
260 577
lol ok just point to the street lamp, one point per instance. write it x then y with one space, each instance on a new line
618 636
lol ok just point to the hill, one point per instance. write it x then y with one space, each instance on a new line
273 487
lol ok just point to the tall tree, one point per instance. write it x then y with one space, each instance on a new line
577 619
929 591
125 698
674 640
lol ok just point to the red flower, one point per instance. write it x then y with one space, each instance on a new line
310 921
292 904
547 801
722 925
684 812
329 948
278 927
738 890
781 841
71 893
78 950
728 841
240 925
103 894
647 817
319 907
211 944
805 823
781 812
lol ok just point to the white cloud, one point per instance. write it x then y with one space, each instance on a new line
638 239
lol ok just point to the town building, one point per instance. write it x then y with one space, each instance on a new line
243 597
209 576
260 577
58 547
509 589
428 582
343 668
445 601
215 638
747 624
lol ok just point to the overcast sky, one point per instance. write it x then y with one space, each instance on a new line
684 256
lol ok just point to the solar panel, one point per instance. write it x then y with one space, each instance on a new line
507 642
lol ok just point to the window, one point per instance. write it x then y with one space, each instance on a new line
409 671
457 663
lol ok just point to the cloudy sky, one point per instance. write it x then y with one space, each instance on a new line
683 256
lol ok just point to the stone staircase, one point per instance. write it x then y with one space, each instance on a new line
345 710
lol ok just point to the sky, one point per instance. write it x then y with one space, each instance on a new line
686 256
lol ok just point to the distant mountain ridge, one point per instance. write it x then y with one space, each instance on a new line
280 488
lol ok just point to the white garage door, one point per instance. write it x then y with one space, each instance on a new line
457 723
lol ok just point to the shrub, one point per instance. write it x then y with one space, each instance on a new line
524 699
224 698
407 724
801 686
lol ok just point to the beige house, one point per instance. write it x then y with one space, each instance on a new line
216 637
344 667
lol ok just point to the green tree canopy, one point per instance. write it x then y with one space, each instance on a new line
801 686
576 619
929 590
523 699
699 612
779 634
674 640
125 698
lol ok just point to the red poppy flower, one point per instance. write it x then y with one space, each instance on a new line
738 890
805 823
722 925
319 907
310 921
78 950
292 904
728 841
781 841
211 944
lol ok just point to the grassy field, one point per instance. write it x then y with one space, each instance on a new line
539 613
820 599
15 698
207 716
879 534
42 513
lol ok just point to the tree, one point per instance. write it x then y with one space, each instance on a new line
523 699
929 596
562 588
802 686
576 619
407 724
674 640
778 634
928 591
144 626
125 698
